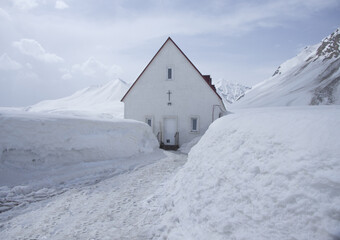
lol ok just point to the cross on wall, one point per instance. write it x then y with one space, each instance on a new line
169 93
169 97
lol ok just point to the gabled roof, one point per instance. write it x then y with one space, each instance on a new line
204 77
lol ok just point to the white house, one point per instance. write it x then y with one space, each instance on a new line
173 97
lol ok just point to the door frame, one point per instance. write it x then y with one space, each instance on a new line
176 120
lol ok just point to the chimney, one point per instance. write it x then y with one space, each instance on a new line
207 78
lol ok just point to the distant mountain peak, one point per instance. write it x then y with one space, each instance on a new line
327 49
229 91
101 100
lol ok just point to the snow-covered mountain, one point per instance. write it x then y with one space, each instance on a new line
101 101
230 92
310 78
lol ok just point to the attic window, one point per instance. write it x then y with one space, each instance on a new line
169 73
194 124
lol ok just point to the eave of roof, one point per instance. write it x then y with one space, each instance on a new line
169 39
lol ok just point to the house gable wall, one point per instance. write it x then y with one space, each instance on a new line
190 95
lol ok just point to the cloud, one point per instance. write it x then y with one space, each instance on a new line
251 15
32 48
66 76
235 18
89 73
94 68
6 63
117 31
25 4
224 17
61 5
4 15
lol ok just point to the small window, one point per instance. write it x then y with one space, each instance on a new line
148 121
194 124
169 73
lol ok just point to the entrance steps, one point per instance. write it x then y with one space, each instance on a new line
169 147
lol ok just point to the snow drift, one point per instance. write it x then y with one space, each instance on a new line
186 147
310 78
40 140
270 173
101 101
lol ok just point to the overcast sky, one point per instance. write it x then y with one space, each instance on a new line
51 48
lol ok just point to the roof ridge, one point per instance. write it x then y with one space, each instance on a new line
170 39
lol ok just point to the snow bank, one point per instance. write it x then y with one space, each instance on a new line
186 147
258 174
31 140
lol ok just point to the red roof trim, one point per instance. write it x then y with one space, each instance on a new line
169 39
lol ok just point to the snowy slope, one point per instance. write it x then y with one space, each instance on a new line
230 92
101 101
270 173
310 78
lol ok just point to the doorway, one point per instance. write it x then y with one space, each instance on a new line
170 129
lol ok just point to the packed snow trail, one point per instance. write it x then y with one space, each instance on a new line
34 185
115 208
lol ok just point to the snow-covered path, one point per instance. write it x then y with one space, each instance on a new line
115 208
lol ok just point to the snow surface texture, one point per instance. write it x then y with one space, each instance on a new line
113 208
310 78
41 155
31 140
101 101
21 187
258 174
186 147
230 92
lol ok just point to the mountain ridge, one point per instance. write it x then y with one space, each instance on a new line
310 78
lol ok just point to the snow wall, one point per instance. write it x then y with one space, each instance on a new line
37 140
258 174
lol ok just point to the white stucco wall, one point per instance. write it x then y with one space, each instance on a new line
191 95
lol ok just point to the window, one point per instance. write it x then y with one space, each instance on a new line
148 120
194 124
169 73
